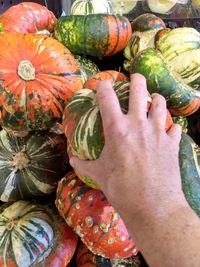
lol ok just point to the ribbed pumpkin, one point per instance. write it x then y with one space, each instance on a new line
85 258
37 77
95 35
86 7
83 126
96 222
28 17
34 235
30 166
144 29
112 75
161 78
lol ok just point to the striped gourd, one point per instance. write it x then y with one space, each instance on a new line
34 235
144 29
86 7
82 123
92 217
30 166
181 47
161 78
95 34
87 67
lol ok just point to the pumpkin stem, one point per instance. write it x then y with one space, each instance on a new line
26 71
20 160
10 225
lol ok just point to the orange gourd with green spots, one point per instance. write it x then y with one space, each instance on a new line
37 77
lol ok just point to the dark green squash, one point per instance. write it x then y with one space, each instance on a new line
87 67
161 78
189 161
30 166
95 35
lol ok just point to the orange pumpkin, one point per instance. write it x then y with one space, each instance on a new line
37 77
111 75
28 17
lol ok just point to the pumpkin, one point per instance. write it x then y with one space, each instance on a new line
189 161
181 48
112 75
95 35
144 29
28 17
87 67
83 126
85 258
34 235
30 166
161 78
96 222
86 7
37 77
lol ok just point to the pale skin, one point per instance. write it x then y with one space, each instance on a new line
138 171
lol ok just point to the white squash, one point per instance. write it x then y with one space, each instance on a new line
123 7
86 7
161 6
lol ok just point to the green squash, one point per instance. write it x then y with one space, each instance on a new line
161 78
87 67
144 29
30 166
95 35
182 121
189 160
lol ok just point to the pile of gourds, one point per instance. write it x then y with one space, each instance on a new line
48 111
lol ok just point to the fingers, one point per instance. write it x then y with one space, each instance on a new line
138 97
109 105
158 112
84 167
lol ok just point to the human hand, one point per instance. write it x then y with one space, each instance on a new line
138 167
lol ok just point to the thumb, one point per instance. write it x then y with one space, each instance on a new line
86 168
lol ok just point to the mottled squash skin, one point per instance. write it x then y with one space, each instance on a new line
28 18
97 35
37 77
34 235
96 222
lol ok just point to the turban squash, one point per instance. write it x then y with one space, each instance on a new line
92 217
30 166
28 17
95 35
34 234
37 77
82 123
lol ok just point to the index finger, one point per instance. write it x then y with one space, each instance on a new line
109 106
